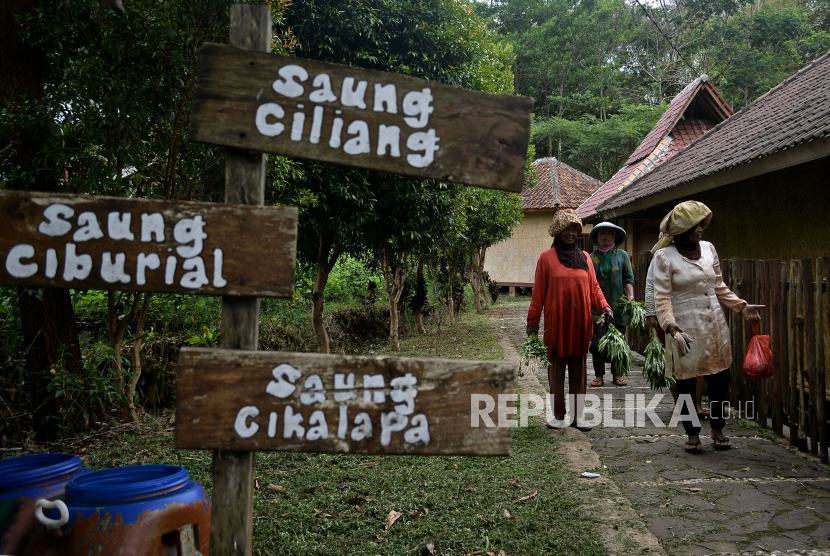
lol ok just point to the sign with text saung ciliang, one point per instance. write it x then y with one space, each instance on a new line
113 243
312 402
357 117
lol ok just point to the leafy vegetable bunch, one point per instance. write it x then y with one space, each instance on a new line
613 347
654 369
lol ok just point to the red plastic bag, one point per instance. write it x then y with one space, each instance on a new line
758 360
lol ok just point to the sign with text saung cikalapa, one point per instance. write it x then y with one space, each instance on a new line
356 117
115 243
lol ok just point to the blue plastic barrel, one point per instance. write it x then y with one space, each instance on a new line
23 480
137 510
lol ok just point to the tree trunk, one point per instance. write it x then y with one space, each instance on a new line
327 256
394 278
475 277
419 310
485 291
128 411
450 300
48 322
115 332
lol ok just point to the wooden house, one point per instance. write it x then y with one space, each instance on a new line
764 172
696 110
512 263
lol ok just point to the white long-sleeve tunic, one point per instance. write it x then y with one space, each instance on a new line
689 293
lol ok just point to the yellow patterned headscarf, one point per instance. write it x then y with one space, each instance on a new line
681 219
562 219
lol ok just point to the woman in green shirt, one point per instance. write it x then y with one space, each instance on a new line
616 278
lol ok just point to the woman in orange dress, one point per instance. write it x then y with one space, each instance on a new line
566 288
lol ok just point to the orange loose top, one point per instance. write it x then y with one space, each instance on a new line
566 294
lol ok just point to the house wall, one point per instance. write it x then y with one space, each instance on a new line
513 262
781 215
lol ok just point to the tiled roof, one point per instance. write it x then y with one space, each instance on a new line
671 134
558 185
794 112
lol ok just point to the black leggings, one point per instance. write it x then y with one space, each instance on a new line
599 362
718 392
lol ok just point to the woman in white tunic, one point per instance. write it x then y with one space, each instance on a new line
690 295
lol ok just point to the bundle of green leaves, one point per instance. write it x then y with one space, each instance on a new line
654 369
534 355
613 347
637 312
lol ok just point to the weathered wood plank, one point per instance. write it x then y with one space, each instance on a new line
307 402
762 298
803 396
232 520
779 375
819 367
807 275
792 351
79 241
358 117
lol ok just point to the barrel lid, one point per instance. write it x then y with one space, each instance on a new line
129 483
26 471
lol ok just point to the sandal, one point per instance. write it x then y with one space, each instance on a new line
693 447
597 382
620 381
722 443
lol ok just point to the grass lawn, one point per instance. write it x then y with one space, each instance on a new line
338 504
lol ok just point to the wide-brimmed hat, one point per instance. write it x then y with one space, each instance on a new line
619 233
562 219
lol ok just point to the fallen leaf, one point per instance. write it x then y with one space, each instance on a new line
256 484
413 514
358 500
391 519
321 514
528 497
358 508
172 420
666 505
490 554
648 461
455 465
507 514
426 511
616 528
471 489
454 457
515 483
694 489
431 548
277 488
134 462
501 553
368 463
312 489
384 539
744 469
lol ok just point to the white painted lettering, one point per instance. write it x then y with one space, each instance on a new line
144 262
262 125
316 126
287 86
272 425
386 98
284 378
336 131
403 390
342 381
319 429
218 260
170 270
187 230
389 423
343 422
89 227
419 431
351 95
418 103
362 427
76 267
291 424
297 124
373 381
51 263
241 426
54 226
114 272
197 277
152 224
118 225
313 391
14 264
389 136
324 92
422 142
359 144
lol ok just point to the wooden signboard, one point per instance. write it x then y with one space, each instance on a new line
114 243
308 402
356 117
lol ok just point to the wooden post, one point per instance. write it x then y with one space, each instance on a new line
803 400
819 369
775 332
809 361
792 351
233 472
762 298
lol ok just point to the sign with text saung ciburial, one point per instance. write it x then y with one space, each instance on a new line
113 243
357 117
309 402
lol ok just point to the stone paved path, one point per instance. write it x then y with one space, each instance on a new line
759 496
